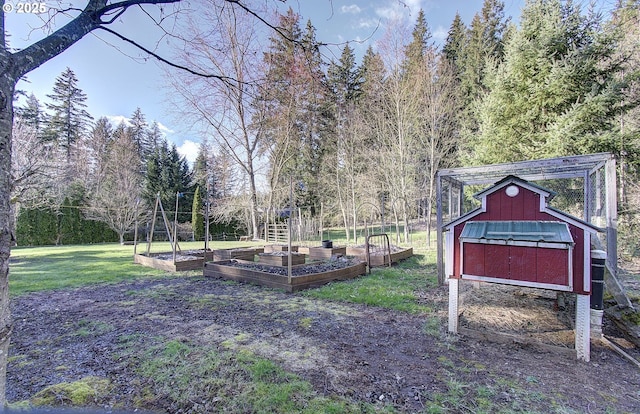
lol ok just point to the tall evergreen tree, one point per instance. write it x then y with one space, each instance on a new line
371 119
494 28
342 168
556 93
416 50
316 120
372 75
32 114
201 167
625 20
344 80
484 48
168 174
137 130
154 137
197 216
69 120
100 139
455 44
371 101
294 109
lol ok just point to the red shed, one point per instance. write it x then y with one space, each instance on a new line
516 238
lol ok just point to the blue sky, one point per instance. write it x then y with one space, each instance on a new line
118 78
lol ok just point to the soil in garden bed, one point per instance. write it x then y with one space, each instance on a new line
300 270
379 250
182 256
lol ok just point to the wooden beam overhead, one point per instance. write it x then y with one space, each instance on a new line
552 168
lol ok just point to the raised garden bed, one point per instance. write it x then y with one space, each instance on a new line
303 277
281 258
246 253
271 248
379 257
186 260
320 253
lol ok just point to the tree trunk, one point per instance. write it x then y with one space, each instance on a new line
405 218
254 201
354 217
7 85
345 221
428 218
396 219
354 207
343 209
432 179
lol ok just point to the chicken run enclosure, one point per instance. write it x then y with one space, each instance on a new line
585 187
577 190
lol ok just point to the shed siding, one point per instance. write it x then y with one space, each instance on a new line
524 206
496 260
522 263
540 265
553 266
476 254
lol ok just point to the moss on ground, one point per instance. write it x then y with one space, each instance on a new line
88 391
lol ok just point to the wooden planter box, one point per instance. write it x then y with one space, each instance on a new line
162 264
266 258
224 271
241 254
379 259
270 248
318 253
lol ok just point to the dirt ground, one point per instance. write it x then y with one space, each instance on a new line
360 352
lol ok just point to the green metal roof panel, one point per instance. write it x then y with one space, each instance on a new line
534 231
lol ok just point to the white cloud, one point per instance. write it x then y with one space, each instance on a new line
118 119
352 9
440 34
395 10
367 24
189 150
165 129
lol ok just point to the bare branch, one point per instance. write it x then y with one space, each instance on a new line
88 20
225 79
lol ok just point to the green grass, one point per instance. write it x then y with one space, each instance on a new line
416 238
86 392
178 373
34 269
393 288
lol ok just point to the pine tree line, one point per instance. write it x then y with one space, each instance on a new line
363 141
80 181
359 141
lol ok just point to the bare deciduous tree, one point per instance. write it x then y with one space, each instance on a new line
437 129
31 165
398 135
116 198
223 109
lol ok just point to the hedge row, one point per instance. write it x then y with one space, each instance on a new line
46 226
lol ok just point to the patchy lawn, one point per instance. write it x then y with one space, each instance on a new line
189 344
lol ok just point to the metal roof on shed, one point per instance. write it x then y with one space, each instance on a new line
534 231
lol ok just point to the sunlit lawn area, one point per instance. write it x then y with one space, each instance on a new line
388 287
54 267
35 269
